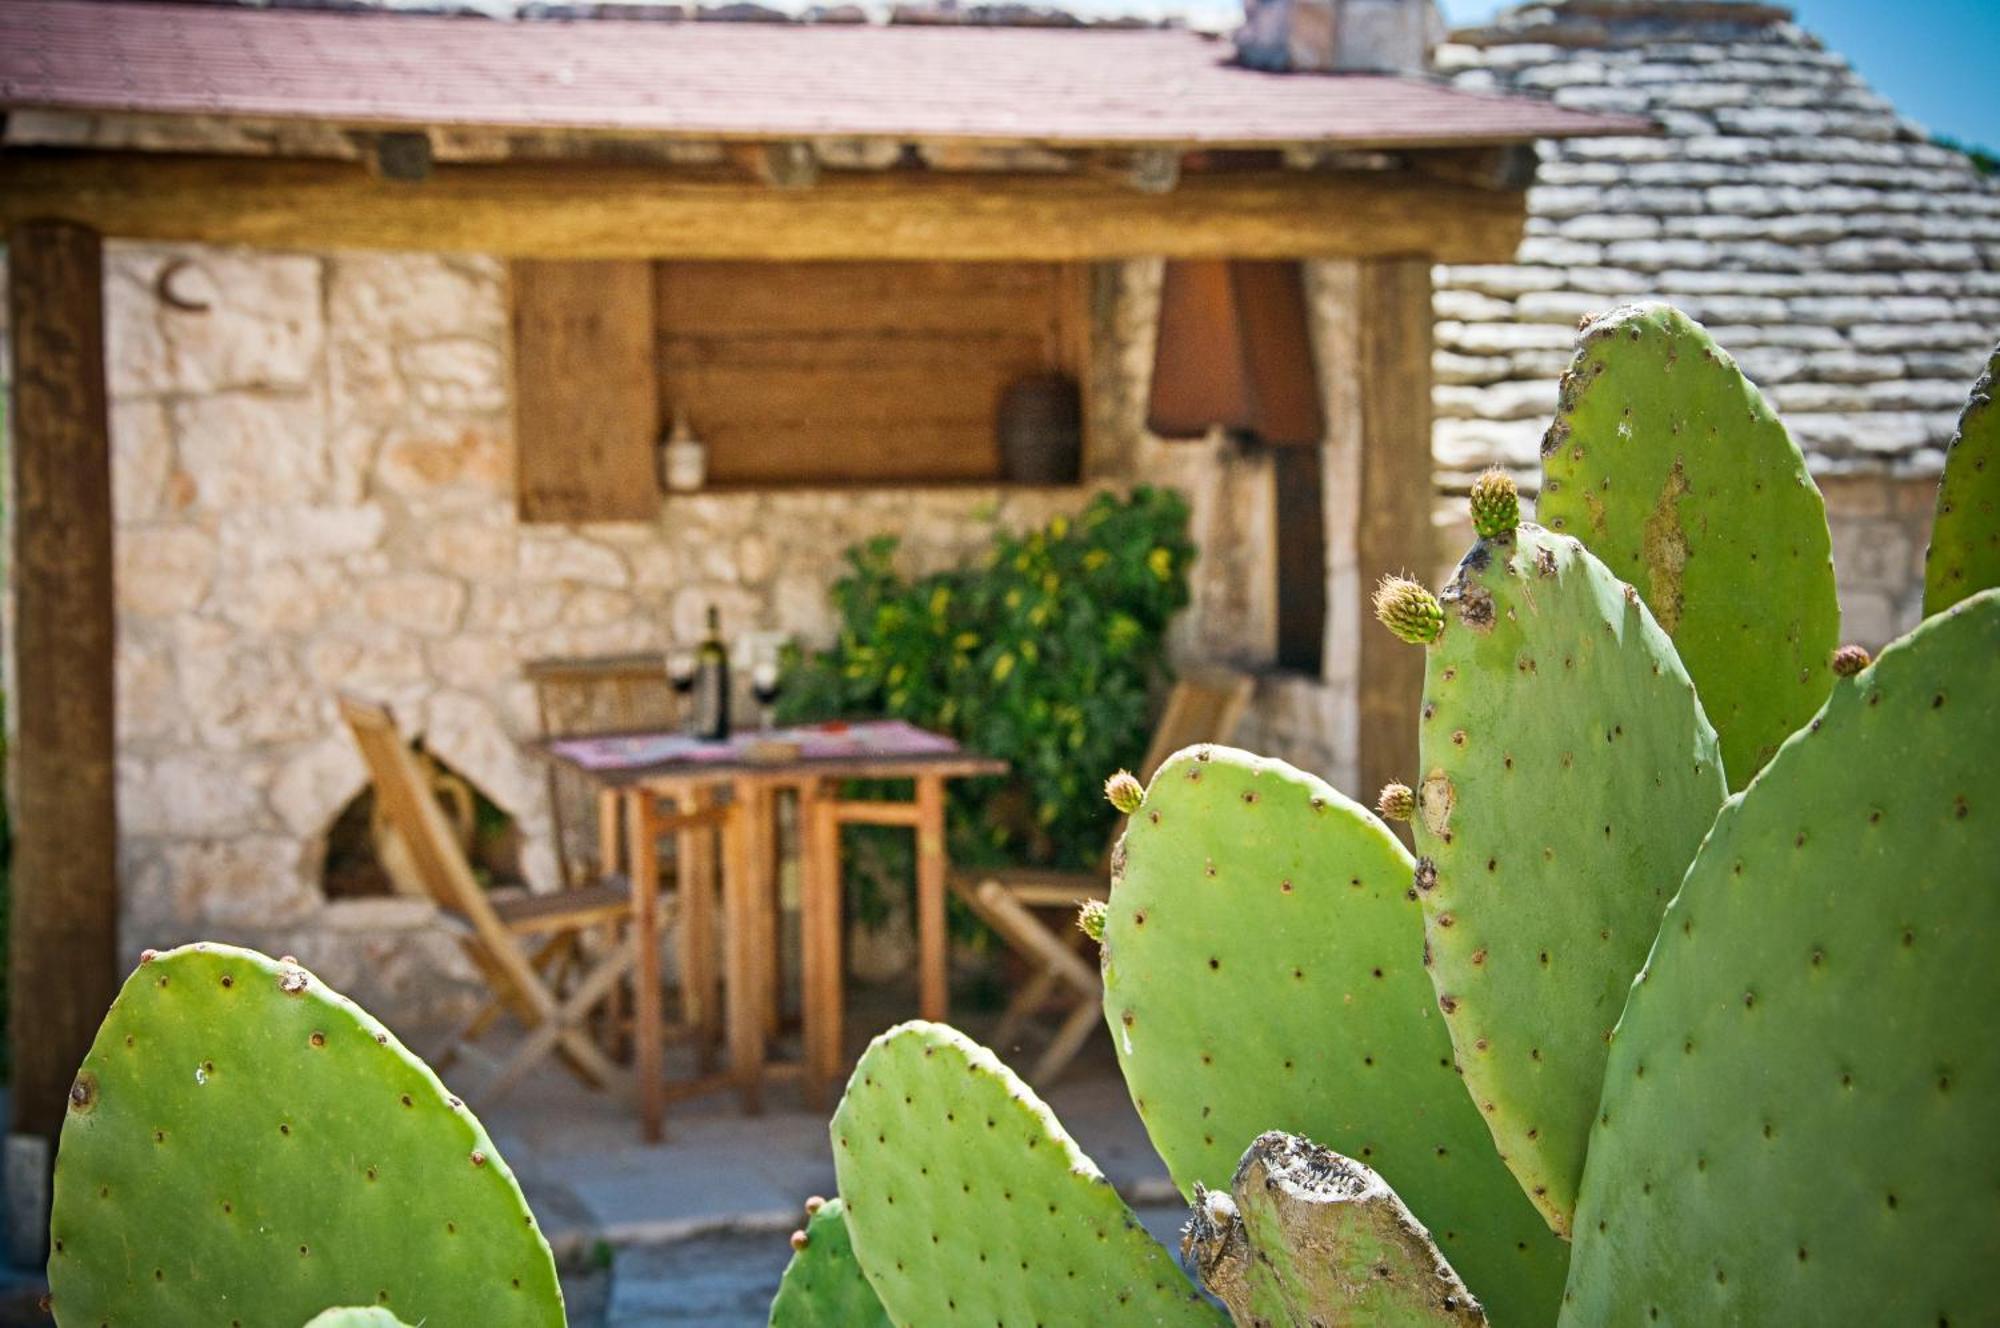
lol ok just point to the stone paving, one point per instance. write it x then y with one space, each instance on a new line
693 1231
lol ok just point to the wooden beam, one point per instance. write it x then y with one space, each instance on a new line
1393 521
582 210
63 950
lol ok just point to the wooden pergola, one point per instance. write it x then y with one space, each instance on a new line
1444 182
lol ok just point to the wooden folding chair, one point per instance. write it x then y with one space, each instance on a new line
513 942
1203 707
578 698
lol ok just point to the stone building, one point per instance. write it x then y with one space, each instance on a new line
310 431
1850 264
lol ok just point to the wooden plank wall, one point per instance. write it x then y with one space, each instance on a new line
585 405
848 373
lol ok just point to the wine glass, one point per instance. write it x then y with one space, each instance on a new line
680 674
766 679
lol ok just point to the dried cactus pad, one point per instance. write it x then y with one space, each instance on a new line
968 1203
245 1146
823 1286
372 1316
1569 776
1964 556
1263 971
1667 462
1798 1109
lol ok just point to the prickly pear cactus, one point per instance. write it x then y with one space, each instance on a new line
823 1286
245 1145
1306 1237
371 1316
1665 460
1568 776
968 1203
1964 556
1798 1110
1262 971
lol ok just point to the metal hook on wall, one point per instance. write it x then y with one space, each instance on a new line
163 286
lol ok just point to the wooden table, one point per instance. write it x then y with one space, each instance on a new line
652 783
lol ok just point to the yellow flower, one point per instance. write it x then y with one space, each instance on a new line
965 640
896 675
1162 563
1095 559
1049 583
940 601
1059 527
1003 666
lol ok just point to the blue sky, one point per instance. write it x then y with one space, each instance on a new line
1933 58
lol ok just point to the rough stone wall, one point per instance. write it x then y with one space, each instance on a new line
1851 266
313 480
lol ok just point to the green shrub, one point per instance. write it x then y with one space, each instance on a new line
1046 654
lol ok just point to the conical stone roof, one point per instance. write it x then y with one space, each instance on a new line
1852 265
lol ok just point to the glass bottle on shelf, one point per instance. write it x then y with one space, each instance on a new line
711 683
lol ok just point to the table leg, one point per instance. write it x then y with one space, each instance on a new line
695 860
822 997
741 900
609 849
771 915
642 858
933 1000
613 1015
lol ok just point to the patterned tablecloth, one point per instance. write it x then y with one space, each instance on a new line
813 742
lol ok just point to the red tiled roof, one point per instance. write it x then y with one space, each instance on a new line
1053 86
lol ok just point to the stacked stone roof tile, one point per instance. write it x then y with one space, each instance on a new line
1851 265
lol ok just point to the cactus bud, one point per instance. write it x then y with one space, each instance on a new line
798 1240
1090 918
1125 792
1496 505
1409 610
1397 802
1850 660
814 1204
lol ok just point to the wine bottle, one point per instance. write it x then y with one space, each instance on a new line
711 683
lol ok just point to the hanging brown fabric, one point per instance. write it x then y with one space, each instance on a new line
1235 349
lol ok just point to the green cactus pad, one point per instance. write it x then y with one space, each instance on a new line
968 1203
1665 460
823 1285
245 1145
1568 777
1798 1111
371 1316
1263 971
1964 556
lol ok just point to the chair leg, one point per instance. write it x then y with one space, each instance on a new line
1022 1008
1069 1040
563 1028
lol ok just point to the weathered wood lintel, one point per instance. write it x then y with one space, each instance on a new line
570 210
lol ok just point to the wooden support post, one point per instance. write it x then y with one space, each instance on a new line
933 944
1393 521
64 913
